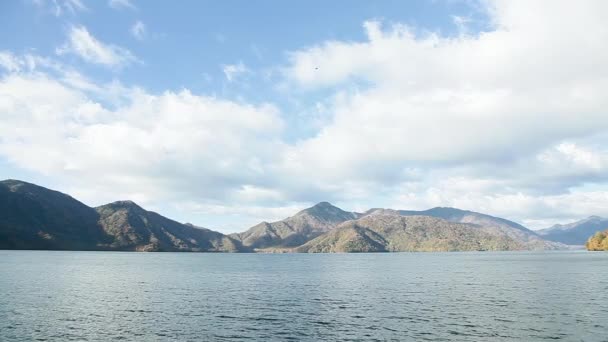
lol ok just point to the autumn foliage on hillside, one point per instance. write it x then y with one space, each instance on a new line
598 242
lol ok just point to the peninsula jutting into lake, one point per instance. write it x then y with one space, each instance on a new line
34 217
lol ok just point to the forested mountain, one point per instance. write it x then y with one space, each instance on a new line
33 217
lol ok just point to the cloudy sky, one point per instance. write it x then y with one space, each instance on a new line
227 113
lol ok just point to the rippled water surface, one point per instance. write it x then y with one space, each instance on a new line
101 296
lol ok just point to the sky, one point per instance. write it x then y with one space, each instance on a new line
228 113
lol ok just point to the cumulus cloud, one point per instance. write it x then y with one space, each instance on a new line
433 99
505 105
153 147
510 121
571 159
445 99
490 196
81 43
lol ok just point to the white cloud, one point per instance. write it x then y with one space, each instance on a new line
28 62
240 216
151 147
517 109
103 142
512 121
83 44
232 71
121 4
487 196
461 24
9 62
138 30
569 156
533 81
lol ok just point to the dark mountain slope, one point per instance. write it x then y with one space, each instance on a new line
33 217
134 228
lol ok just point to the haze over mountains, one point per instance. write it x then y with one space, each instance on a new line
575 233
33 217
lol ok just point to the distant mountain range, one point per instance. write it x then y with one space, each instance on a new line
326 228
33 217
576 233
381 232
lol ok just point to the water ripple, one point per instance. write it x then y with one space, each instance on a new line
90 296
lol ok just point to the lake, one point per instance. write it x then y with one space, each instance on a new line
502 296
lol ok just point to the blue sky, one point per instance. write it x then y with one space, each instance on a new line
187 46
208 34
228 113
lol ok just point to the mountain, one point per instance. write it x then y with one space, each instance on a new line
598 242
496 225
33 217
134 228
575 233
326 228
295 230
383 231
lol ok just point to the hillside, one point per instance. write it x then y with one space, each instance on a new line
134 228
598 242
391 232
492 224
575 233
295 230
33 217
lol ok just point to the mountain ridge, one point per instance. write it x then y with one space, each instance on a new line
391 232
575 233
294 230
497 224
34 217
39 218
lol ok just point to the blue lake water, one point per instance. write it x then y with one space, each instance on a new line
505 296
